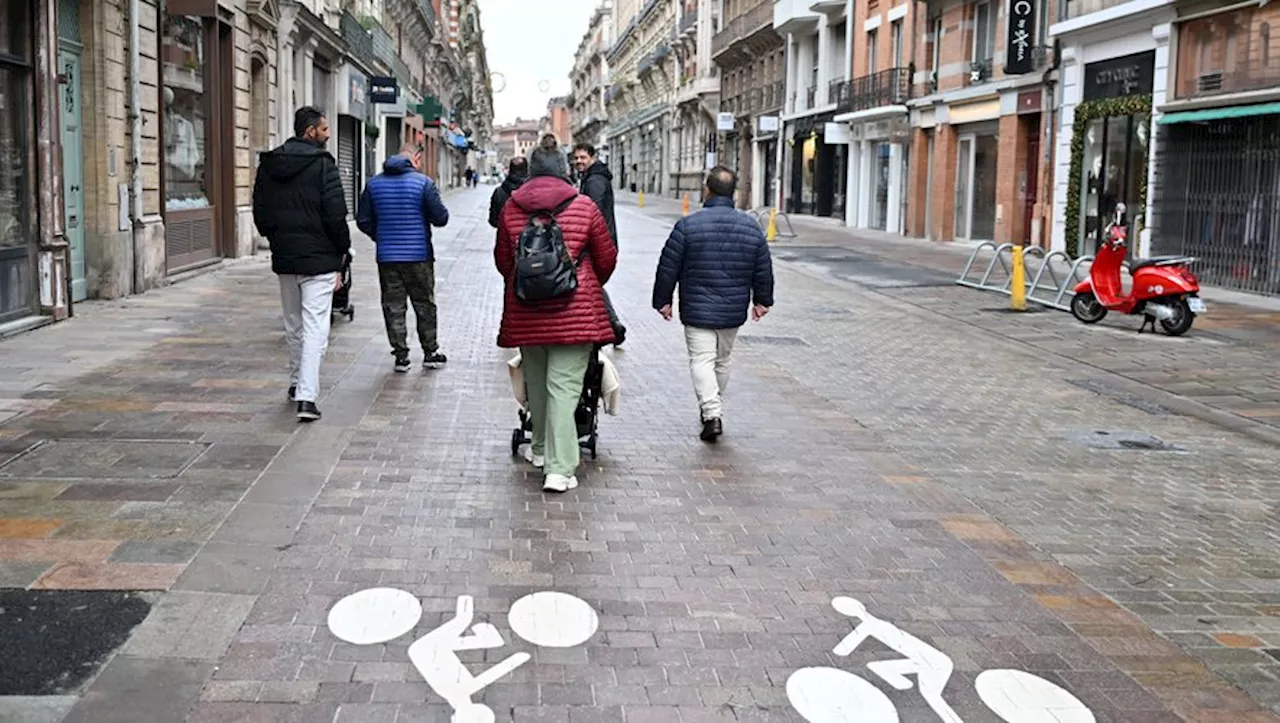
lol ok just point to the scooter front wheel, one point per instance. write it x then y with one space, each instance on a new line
1086 307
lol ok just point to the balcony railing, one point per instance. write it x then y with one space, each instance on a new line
834 90
688 20
979 71
743 26
1076 8
887 87
359 40
774 95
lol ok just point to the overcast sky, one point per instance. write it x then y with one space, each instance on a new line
529 42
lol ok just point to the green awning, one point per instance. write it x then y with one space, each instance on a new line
1208 114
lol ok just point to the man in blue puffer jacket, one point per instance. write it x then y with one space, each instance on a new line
721 261
397 210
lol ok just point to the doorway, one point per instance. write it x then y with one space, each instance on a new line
73 164
975 214
1115 170
1031 181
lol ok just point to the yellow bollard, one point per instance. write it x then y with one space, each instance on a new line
642 199
1018 285
771 232
684 207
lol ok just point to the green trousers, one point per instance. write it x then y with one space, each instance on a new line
553 377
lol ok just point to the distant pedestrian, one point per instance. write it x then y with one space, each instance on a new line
298 205
397 210
597 184
721 262
556 331
517 174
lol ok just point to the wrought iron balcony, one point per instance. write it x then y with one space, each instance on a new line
887 87
775 95
835 89
742 27
979 71
689 20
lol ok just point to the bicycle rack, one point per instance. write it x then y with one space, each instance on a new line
1045 287
762 218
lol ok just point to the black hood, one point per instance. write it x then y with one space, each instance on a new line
513 182
598 169
294 157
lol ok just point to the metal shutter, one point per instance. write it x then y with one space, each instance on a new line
347 160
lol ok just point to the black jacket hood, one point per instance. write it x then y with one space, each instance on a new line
295 156
598 169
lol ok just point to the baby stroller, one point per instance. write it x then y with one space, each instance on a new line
342 297
587 414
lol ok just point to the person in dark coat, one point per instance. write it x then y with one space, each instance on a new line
556 337
517 174
720 260
298 205
397 210
596 183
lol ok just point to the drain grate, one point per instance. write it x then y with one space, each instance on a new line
1128 399
760 340
1122 440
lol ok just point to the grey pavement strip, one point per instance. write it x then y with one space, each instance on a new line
133 690
35 708
190 625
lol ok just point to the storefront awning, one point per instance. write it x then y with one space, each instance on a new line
1208 114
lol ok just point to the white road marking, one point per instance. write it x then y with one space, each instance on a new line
376 615
553 619
827 695
1020 697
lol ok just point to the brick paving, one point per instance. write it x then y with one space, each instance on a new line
870 452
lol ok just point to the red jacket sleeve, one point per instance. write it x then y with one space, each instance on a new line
600 247
504 251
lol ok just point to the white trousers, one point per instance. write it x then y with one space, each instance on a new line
709 354
307 302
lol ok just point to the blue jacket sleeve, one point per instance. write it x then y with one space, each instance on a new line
433 206
762 279
365 220
669 266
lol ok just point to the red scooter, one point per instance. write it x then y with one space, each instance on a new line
1164 289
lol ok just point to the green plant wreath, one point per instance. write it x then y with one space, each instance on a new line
1085 112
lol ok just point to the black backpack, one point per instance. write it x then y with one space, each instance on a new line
544 269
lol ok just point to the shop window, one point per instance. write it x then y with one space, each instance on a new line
186 114
13 29
1115 166
13 158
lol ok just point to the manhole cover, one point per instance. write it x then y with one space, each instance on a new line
1103 389
66 458
1122 440
754 339
55 640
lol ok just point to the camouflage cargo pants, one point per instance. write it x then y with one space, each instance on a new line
409 282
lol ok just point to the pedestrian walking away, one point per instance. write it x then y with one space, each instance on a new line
720 260
557 319
596 183
298 205
517 174
398 209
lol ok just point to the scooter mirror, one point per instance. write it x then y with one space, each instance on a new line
1120 209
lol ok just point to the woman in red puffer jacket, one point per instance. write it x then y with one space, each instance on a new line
556 339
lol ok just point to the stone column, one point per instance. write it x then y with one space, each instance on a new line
1011 180
944 183
917 183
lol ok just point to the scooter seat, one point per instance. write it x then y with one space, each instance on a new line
1136 264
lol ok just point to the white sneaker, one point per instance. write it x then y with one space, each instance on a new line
537 460
559 483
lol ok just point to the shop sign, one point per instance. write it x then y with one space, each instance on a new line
1019 52
768 124
357 94
1120 77
383 90
895 129
724 122
835 134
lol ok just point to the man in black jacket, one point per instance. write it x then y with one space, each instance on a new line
517 174
597 184
299 206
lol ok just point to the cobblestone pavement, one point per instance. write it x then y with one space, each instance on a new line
949 478
1226 370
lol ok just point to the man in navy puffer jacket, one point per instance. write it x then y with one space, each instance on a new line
721 261
397 210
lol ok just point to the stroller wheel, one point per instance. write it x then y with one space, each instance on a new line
351 313
592 446
517 439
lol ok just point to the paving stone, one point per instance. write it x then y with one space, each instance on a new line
190 625
35 709
132 689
